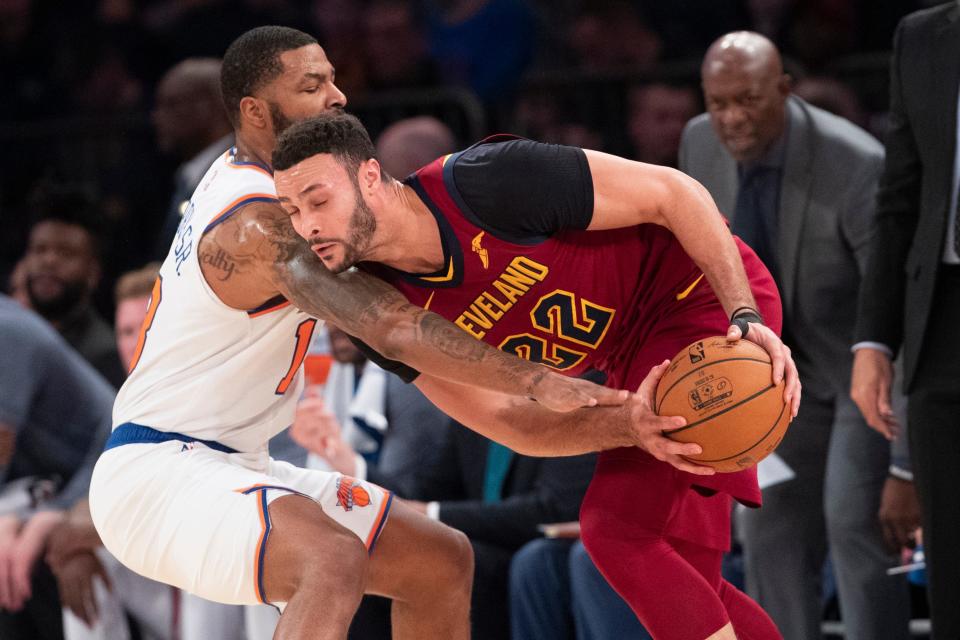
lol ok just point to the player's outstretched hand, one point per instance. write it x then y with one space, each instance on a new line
560 393
649 427
783 364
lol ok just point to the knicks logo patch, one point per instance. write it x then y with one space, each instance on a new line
350 494
479 250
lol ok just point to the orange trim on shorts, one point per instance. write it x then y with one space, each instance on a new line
258 553
378 521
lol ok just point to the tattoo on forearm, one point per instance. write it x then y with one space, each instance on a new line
358 302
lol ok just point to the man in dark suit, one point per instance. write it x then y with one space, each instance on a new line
799 185
911 293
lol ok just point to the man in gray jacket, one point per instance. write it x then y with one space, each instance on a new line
799 185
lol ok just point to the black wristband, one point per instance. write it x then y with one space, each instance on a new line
744 315
744 311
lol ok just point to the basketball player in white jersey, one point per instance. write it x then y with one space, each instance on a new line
185 492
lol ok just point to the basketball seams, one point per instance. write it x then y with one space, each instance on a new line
721 412
666 393
767 434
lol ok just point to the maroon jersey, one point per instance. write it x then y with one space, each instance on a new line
566 300
522 274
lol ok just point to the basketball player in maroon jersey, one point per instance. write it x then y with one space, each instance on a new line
579 260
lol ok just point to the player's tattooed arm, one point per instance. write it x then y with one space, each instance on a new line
270 258
530 429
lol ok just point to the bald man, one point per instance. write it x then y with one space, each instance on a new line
407 145
191 125
799 185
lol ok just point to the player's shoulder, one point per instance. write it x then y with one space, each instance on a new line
229 180
502 149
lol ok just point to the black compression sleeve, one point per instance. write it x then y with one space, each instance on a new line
524 190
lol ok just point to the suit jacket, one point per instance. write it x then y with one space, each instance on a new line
536 491
914 196
826 221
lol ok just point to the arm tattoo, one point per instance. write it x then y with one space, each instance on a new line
378 314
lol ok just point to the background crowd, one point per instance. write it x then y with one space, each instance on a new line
111 114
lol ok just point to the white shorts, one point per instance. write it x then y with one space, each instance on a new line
196 518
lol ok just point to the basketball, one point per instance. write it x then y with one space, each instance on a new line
725 392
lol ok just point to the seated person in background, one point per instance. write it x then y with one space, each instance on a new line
54 415
557 592
62 270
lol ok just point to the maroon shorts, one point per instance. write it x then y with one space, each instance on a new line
701 513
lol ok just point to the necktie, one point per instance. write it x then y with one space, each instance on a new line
755 215
498 465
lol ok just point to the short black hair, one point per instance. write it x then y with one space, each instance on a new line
253 60
336 133
72 204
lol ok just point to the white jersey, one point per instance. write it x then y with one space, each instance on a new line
201 368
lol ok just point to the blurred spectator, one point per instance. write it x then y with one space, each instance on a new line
799 186
656 116
98 592
832 95
54 419
132 296
461 33
191 125
611 35
396 46
409 144
557 592
63 270
911 294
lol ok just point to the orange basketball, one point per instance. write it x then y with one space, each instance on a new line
726 393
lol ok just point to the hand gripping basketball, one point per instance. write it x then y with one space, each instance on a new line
648 427
780 358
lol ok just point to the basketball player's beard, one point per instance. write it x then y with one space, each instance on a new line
281 122
359 233
61 305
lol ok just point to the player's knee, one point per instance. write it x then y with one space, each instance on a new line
307 551
454 561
